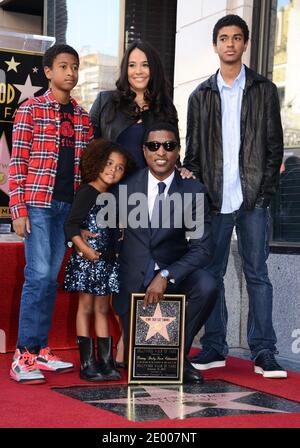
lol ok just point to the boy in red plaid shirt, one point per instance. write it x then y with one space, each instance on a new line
50 132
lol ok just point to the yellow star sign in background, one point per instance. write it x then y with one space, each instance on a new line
12 64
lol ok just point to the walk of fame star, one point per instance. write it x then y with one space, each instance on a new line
27 90
214 398
179 405
12 64
157 324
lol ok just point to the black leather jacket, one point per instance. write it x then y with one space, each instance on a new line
261 148
101 113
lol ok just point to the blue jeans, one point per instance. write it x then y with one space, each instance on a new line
252 228
44 252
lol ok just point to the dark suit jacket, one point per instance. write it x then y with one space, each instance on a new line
168 247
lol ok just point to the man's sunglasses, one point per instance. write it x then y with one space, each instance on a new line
168 145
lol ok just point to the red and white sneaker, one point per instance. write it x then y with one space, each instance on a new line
47 361
24 369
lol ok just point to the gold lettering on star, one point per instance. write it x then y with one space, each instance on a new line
7 93
157 324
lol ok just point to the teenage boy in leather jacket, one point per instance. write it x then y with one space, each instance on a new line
235 147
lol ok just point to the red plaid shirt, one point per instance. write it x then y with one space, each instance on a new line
35 149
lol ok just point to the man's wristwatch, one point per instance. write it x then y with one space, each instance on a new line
164 273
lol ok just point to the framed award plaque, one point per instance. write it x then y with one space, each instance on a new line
156 340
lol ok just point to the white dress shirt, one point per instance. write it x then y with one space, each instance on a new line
153 192
231 100
153 189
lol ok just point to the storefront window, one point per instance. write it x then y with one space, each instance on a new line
93 28
286 75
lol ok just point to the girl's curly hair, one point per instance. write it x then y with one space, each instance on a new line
96 155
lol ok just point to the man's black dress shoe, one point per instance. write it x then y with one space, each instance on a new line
191 375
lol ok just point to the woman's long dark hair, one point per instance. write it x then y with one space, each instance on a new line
158 90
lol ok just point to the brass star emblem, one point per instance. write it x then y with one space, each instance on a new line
12 64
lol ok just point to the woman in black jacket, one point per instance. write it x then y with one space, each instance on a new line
142 97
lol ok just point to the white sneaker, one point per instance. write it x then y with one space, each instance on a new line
24 369
207 359
267 366
47 361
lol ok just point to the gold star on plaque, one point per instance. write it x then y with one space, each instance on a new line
157 324
12 64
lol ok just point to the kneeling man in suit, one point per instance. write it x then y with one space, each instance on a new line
162 260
